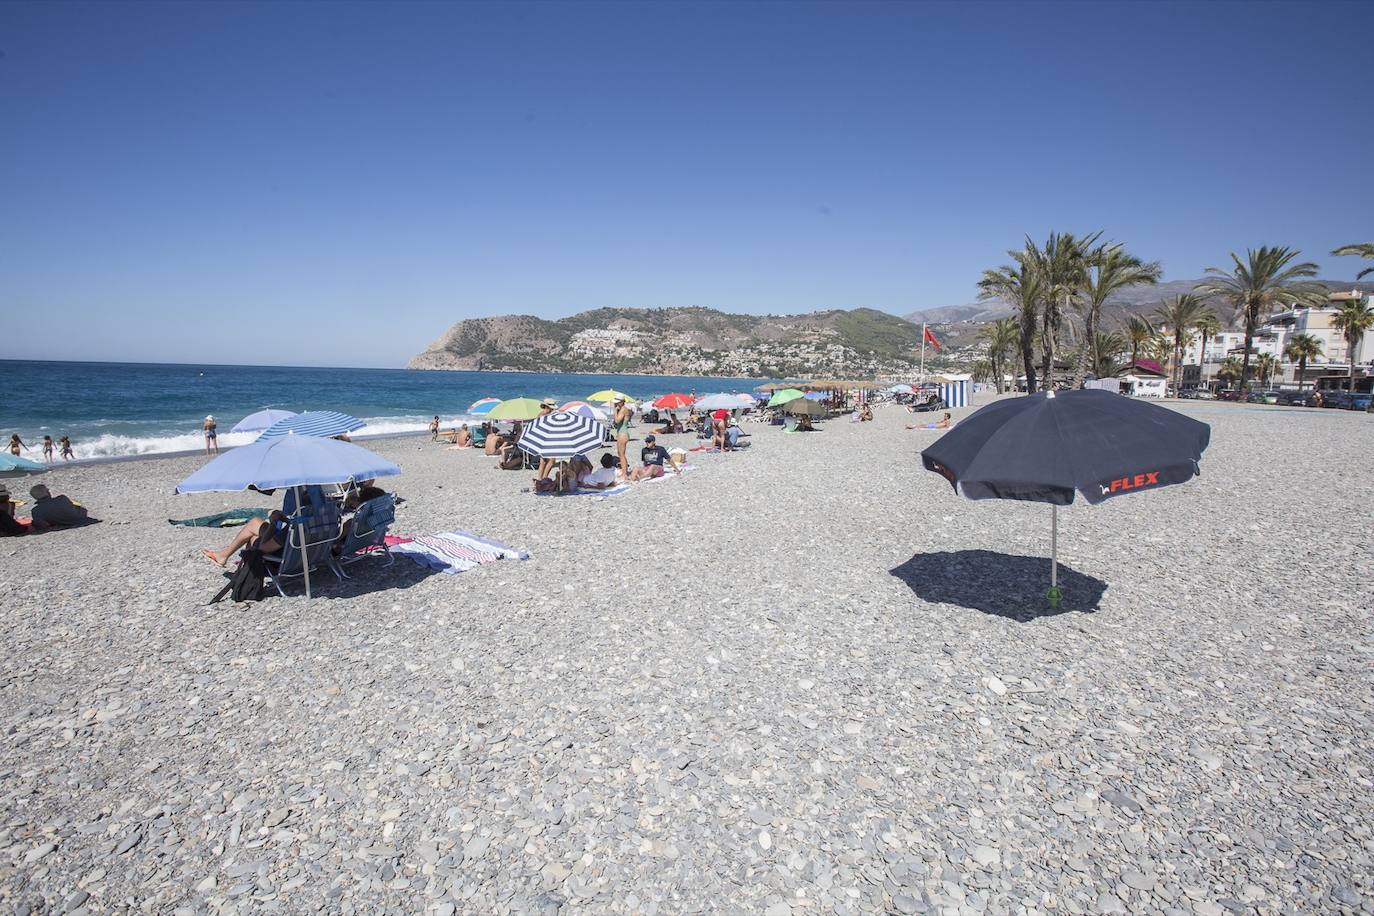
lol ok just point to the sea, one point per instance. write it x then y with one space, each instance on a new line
119 410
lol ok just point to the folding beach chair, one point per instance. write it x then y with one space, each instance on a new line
367 533
309 545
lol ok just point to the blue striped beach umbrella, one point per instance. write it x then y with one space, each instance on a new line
483 405
321 423
263 419
562 435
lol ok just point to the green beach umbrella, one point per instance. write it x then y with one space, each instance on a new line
515 409
782 397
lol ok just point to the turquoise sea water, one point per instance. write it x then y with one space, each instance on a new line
117 409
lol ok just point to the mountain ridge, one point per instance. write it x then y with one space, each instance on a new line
686 340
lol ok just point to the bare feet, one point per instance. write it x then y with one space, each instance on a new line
212 557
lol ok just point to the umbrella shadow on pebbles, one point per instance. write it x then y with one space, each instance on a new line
1006 585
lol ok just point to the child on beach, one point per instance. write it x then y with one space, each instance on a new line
67 453
47 449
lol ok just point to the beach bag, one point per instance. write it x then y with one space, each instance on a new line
246 582
514 460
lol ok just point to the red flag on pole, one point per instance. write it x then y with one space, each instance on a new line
930 338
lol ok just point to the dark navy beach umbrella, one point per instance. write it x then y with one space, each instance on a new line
561 434
322 423
1049 446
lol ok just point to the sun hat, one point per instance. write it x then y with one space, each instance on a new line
548 402
209 416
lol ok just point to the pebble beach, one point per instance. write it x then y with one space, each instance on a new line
806 678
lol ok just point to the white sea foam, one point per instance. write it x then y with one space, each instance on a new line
109 445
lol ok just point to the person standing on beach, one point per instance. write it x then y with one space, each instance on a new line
67 453
16 444
434 429
47 449
211 436
620 423
546 465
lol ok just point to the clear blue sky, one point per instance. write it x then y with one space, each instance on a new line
335 184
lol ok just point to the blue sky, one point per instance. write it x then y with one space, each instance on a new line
335 184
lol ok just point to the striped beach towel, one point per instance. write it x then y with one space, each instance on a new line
453 551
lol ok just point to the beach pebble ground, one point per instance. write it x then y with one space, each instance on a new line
807 678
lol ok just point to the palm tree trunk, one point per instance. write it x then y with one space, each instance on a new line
1087 356
1202 361
1302 371
1027 351
1245 358
1178 364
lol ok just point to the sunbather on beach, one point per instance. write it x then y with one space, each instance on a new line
945 423
54 511
653 456
462 437
804 424
718 420
670 425
603 478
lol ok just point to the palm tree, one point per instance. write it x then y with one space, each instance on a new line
1353 318
1062 265
1266 279
1230 368
1110 269
1265 364
1182 314
1001 337
1301 348
1107 347
1139 332
1364 250
1208 325
1020 287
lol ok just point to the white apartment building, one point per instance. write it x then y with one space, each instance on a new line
1272 337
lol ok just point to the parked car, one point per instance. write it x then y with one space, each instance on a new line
1228 395
1305 398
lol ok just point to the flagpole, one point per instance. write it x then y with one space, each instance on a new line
923 353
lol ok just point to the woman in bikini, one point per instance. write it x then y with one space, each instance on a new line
620 425
16 444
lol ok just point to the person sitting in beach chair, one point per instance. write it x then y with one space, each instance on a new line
267 536
653 456
370 512
804 425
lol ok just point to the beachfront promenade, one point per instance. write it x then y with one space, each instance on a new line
807 678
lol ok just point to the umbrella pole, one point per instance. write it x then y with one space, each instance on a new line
1053 595
305 564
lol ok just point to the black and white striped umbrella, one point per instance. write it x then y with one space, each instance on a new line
562 435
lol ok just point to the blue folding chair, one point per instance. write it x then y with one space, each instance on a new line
367 533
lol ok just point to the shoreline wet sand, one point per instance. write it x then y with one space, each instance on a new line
803 678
